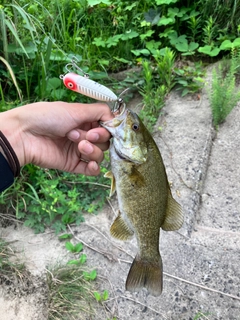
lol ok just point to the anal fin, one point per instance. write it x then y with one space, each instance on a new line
174 215
120 229
110 175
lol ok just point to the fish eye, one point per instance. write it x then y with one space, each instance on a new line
135 127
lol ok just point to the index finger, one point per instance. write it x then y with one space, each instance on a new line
91 112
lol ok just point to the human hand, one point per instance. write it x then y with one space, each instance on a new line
59 135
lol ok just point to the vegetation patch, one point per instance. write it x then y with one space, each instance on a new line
224 94
14 277
43 198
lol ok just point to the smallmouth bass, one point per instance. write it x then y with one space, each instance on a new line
145 201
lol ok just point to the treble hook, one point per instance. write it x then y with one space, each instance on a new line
74 65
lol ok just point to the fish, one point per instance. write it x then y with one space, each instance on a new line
145 200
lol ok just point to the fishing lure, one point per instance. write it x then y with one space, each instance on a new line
88 87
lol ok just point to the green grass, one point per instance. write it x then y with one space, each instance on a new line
11 270
70 294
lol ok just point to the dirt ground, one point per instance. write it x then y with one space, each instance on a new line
201 261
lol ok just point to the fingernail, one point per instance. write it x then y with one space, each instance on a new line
95 166
87 148
73 135
94 136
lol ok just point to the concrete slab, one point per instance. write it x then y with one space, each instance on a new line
220 207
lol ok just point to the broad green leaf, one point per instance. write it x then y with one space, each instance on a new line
172 12
182 38
182 46
113 41
152 46
78 247
83 258
92 3
58 55
58 94
141 51
183 82
214 52
73 262
97 296
209 51
227 44
236 42
54 83
152 16
131 6
165 21
69 246
192 46
147 34
90 275
160 2
185 92
104 62
129 35
122 60
93 274
167 33
65 236
105 295
99 42
187 16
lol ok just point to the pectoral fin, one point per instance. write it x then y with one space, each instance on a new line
120 229
113 182
174 214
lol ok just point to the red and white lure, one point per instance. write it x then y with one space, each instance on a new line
88 87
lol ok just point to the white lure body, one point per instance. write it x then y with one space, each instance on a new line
88 87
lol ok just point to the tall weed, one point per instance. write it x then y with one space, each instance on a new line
224 95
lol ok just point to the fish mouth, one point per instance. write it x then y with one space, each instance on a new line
129 159
121 156
115 122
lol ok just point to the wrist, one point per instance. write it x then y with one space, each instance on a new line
11 129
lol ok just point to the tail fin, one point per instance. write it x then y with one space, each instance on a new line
144 273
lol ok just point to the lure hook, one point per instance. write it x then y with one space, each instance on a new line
74 65
119 104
